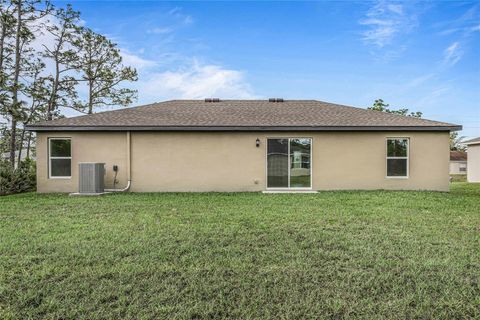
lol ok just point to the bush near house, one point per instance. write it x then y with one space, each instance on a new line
367 254
23 179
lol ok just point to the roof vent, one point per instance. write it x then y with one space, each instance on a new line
275 100
212 100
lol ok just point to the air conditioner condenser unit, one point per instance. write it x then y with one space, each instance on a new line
91 178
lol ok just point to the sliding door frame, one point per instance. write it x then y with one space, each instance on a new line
289 164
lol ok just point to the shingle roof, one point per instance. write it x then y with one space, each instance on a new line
242 115
458 156
472 141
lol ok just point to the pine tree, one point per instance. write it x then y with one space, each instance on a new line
25 15
380 105
78 56
38 93
102 71
64 30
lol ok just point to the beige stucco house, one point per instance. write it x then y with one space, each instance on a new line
458 163
473 171
246 145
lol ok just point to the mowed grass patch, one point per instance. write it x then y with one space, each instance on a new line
365 254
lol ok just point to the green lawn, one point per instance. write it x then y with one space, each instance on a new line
458 177
336 255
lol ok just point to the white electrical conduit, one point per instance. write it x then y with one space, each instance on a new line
129 178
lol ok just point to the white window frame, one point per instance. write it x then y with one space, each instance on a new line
406 158
289 164
50 158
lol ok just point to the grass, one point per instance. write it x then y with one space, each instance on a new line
371 255
458 177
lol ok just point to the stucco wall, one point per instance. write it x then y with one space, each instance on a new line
456 165
473 170
182 161
86 147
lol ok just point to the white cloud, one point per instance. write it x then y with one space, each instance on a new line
380 35
464 29
434 97
171 75
159 30
187 20
420 80
184 18
171 21
464 24
397 8
385 21
452 54
195 81
135 61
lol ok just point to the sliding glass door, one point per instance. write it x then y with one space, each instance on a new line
289 163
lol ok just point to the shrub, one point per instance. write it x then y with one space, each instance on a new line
22 179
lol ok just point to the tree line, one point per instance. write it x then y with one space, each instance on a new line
456 141
50 62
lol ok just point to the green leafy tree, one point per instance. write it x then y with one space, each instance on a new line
380 105
456 142
101 68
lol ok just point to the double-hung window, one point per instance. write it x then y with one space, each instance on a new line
59 158
397 157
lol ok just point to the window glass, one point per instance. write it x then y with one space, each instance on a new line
60 148
397 147
61 167
397 167
300 163
277 163
289 163
397 157
60 159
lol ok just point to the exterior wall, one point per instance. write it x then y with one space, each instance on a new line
226 161
110 148
456 165
473 169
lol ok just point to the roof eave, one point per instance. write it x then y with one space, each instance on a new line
243 128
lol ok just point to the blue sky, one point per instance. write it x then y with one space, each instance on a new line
424 56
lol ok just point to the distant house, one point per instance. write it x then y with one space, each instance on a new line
458 162
473 171
245 145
